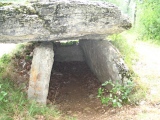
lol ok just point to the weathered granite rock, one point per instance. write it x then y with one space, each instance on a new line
40 72
59 20
104 60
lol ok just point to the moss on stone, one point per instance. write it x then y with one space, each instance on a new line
4 4
25 10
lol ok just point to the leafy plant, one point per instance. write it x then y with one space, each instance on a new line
117 95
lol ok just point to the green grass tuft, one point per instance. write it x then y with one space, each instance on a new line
16 105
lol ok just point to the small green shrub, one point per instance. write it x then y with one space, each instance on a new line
117 95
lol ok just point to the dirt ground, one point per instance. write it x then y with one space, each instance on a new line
73 89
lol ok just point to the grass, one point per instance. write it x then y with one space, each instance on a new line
125 47
14 104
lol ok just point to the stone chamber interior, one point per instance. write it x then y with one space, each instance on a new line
73 87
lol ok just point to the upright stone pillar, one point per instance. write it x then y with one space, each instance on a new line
40 72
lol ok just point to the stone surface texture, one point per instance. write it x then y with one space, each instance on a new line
104 60
60 20
68 53
40 72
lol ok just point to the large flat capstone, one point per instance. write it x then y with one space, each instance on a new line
59 20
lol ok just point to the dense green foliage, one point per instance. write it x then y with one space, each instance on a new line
148 19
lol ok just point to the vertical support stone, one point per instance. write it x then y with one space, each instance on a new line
104 60
40 73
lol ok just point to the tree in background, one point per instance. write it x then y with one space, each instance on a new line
148 19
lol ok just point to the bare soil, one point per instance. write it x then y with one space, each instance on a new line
73 88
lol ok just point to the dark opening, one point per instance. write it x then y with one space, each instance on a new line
73 87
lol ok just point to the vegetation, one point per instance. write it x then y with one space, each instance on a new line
14 104
127 49
117 95
148 19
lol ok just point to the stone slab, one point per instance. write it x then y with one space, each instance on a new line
104 60
40 72
60 20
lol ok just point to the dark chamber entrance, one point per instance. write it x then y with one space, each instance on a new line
73 88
